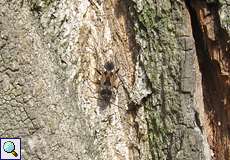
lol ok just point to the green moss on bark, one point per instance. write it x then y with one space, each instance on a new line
161 26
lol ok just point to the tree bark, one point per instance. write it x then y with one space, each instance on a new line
173 95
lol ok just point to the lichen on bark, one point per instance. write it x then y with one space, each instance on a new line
168 53
49 50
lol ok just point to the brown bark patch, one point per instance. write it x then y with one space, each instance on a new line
213 51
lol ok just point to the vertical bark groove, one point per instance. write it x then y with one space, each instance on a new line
212 48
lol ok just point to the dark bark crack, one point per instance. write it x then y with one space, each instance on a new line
211 39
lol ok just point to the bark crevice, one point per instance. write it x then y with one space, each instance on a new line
212 49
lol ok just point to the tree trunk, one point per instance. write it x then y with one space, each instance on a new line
172 98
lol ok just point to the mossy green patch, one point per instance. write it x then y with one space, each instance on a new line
48 2
162 60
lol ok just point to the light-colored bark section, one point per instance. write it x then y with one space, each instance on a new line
49 50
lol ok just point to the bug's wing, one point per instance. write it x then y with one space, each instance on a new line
115 80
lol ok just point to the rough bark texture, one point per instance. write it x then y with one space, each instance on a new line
173 98
169 57
213 51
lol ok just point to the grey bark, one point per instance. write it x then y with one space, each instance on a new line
48 52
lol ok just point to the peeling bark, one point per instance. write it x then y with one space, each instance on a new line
212 44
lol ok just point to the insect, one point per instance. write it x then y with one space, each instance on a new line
107 82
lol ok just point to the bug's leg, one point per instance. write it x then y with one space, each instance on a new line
119 80
118 83
117 71
97 82
98 71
